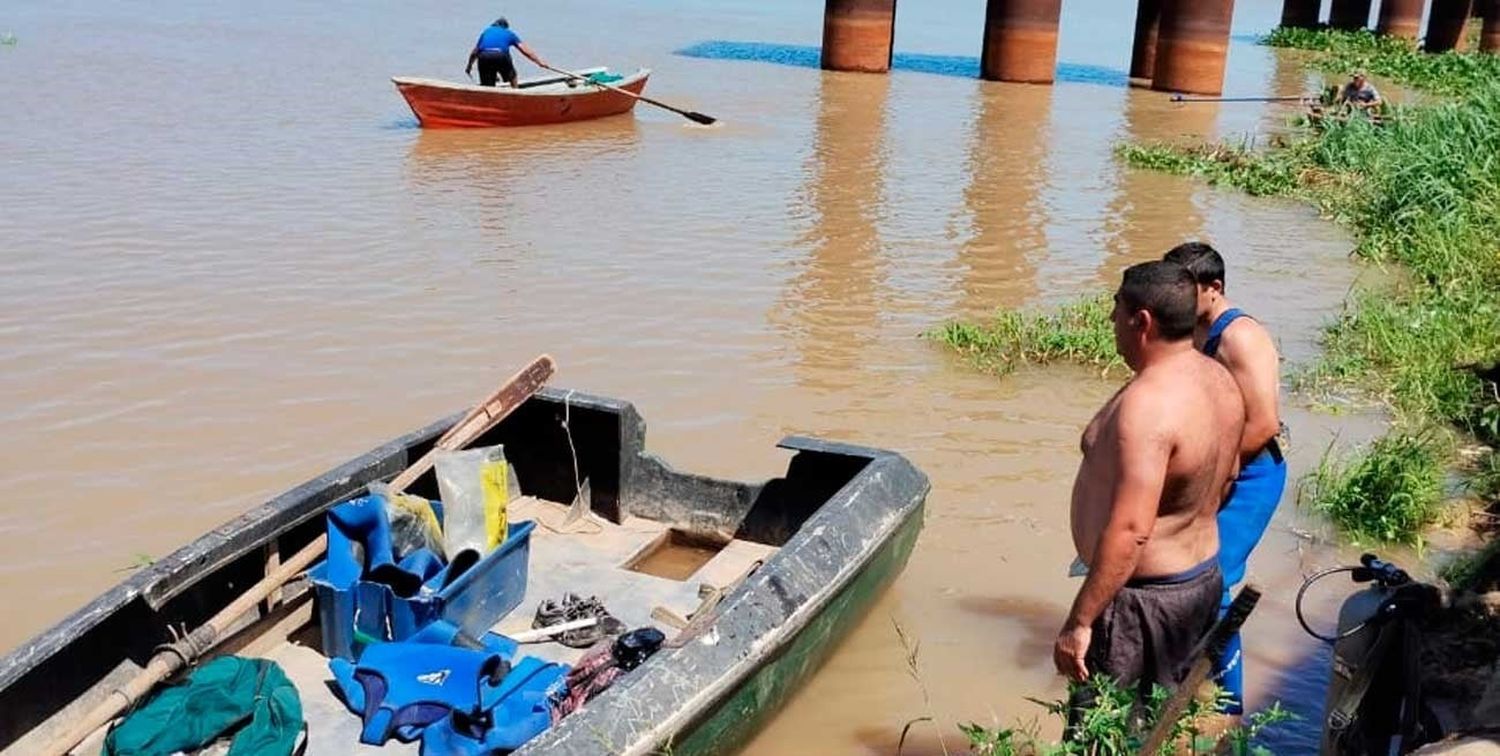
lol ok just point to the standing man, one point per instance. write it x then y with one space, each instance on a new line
492 51
1242 345
1156 461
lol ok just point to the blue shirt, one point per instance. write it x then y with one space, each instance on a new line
497 38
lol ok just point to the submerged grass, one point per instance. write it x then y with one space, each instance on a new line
1421 192
1388 493
1077 332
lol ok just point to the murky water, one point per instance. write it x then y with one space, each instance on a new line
231 261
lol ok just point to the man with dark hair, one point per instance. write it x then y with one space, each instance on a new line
1156 461
1242 345
492 52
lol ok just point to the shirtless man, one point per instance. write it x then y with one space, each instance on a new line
1157 459
1243 346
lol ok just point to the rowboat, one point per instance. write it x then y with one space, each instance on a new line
551 99
794 562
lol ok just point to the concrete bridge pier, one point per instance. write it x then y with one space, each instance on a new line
858 34
1192 43
1489 38
1400 18
1143 51
1349 15
1020 41
1445 25
1300 14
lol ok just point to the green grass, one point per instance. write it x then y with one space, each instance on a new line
1398 60
1387 493
1422 195
1113 725
1078 332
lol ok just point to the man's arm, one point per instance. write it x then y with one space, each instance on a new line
1142 450
531 55
1250 355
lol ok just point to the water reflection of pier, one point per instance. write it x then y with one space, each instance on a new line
1008 173
832 304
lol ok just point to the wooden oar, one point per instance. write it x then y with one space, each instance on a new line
165 663
1208 649
688 114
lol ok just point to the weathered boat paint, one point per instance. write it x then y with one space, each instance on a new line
442 104
845 518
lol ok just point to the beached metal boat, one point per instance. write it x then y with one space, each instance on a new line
551 99
827 535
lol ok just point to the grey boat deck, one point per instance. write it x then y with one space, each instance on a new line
587 557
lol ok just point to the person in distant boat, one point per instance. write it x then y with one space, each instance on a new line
1360 94
492 52
1157 460
1245 347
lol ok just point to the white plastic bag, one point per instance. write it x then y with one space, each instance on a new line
476 485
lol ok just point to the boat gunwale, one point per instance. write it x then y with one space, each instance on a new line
740 604
404 82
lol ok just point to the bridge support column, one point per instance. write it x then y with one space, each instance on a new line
1020 41
1489 39
1143 52
1192 43
1400 18
858 34
1349 15
1445 25
1300 14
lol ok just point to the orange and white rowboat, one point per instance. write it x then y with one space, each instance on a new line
552 99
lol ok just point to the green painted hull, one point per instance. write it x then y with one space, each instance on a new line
735 719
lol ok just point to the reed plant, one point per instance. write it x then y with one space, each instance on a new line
1391 58
1078 332
1389 492
1114 724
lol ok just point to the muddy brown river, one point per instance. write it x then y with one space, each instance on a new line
232 260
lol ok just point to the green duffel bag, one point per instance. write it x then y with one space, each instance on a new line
250 701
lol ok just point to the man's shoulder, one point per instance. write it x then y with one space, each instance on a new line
1246 333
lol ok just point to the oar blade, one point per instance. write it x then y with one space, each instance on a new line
696 117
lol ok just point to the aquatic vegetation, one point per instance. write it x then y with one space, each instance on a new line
1399 60
1388 493
1114 725
1422 193
1078 332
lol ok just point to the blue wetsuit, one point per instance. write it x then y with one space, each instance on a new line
1242 521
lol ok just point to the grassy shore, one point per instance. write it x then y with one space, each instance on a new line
1421 192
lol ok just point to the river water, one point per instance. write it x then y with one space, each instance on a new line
232 261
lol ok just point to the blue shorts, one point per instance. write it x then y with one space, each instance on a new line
1242 522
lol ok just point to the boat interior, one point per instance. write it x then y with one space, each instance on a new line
652 544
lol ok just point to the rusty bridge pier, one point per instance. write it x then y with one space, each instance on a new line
1143 50
1400 18
1349 15
1192 42
1300 14
1445 25
1489 37
858 35
1020 41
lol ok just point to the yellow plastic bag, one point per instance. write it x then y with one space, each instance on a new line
494 482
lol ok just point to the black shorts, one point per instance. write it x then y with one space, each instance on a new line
493 62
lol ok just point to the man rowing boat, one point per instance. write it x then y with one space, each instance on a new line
1157 459
492 52
1245 348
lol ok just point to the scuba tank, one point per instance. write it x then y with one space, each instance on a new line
1374 702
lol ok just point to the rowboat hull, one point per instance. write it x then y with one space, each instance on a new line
441 104
835 528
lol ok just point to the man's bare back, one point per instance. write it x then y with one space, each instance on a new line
1187 410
